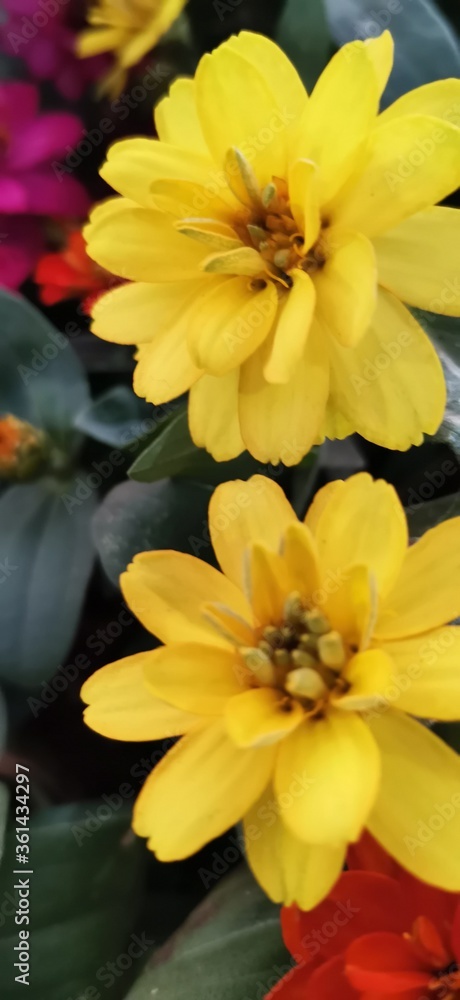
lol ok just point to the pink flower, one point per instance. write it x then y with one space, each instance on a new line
30 185
38 32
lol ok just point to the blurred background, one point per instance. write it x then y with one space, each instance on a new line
98 476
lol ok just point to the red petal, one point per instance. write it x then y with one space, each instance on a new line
386 963
428 901
330 983
455 938
367 855
359 903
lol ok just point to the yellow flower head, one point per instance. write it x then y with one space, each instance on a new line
291 673
271 239
127 28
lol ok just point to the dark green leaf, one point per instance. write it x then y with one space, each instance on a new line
117 418
172 453
427 515
41 378
229 949
46 558
84 901
304 35
426 47
137 517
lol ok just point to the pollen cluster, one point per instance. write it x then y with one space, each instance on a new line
303 656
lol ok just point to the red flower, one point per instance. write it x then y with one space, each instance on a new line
70 273
376 936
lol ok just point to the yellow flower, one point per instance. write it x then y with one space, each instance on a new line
272 239
291 673
127 28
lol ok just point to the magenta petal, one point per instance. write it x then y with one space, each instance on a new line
18 103
43 139
51 193
14 197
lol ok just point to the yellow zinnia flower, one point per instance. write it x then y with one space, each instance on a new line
291 673
272 238
127 28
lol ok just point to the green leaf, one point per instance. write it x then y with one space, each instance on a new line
303 33
84 902
46 558
229 949
172 453
117 418
426 515
137 517
426 47
41 378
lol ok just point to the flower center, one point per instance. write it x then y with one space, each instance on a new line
303 657
273 231
445 984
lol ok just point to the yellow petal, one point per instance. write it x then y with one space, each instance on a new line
419 261
203 786
231 323
338 762
301 557
166 590
267 583
137 312
349 599
229 117
320 502
440 99
185 199
369 675
142 245
291 330
363 525
121 707
156 23
412 163
279 75
346 286
381 52
426 678
261 717
338 116
213 415
304 199
243 513
417 814
427 592
242 260
164 367
390 387
280 423
93 41
289 870
132 165
176 118
189 675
